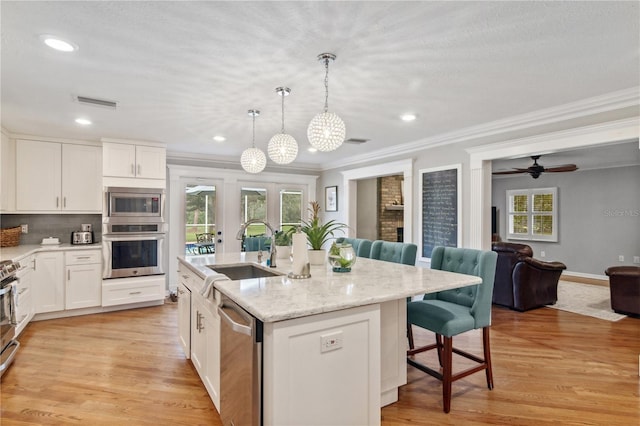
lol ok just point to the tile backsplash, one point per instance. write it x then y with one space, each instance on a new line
52 225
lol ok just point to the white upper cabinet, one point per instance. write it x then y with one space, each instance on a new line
134 161
58 177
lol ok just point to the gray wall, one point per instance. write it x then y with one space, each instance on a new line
599 216
51 225
367 225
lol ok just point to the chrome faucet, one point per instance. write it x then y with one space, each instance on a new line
272 251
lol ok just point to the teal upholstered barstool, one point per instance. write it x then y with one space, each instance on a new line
404 253
452 312
361 246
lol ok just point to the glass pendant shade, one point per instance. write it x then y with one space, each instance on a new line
253 160
282 148
326 132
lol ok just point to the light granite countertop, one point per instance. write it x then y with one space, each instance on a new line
18 252
280 298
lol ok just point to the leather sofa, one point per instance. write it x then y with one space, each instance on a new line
624 285
522 282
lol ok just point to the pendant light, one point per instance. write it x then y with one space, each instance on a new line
283 148
326 132
253 159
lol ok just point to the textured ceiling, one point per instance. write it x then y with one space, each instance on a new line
182 72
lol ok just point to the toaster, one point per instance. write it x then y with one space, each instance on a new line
82 237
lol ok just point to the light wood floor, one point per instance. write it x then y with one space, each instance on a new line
550 367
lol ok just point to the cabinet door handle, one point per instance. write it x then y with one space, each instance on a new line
64 202
139 169
57 201
83 257
135 292
185 276
68 275
133 171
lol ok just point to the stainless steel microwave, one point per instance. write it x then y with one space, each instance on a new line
134 202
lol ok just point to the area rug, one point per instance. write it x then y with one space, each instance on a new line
585 299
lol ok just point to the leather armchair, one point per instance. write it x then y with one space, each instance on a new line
522 282
624 285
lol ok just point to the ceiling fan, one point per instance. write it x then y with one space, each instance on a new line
535 170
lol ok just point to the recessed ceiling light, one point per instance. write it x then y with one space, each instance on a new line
312 149
408 117
83 121
58 44
219 138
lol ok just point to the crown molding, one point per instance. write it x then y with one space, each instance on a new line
586 107
234 163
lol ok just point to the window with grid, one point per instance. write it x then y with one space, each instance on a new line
532 214
290 209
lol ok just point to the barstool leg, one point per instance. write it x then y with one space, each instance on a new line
446 373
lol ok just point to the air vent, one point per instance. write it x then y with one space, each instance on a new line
356 140
96 102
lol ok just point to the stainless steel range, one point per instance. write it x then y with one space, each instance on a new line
8 306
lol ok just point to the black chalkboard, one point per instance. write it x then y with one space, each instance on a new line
439 209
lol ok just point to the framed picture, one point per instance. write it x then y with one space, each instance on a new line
331 198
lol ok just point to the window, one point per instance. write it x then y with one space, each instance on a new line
200 211
532 214
290 209
253 205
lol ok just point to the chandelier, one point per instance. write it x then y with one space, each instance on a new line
283 148
326 131
253 159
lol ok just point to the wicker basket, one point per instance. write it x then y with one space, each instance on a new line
10 237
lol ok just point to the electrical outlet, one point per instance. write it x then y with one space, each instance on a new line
25 229
330 342
636 259
543 254
620 258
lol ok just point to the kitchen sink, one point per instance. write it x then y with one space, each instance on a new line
243 271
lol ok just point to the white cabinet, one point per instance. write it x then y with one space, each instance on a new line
24 307
83 287
52 176
205 344
7 174
133 161
48 282
184 318
123 291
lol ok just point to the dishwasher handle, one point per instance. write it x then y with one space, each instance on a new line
238 328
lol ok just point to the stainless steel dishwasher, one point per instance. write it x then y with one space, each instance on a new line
240 366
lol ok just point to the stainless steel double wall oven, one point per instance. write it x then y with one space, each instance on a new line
133 232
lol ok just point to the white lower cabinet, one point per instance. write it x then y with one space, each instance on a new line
48 282
184 318
122 291
205 344
83 287
24 307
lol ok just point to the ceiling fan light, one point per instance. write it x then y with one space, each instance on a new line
253 160
282 148
326 132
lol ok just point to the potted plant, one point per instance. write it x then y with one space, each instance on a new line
283 244
318 234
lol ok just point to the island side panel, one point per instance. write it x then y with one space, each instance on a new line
394 345
304 384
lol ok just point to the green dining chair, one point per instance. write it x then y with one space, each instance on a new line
452 312
361 246
404 253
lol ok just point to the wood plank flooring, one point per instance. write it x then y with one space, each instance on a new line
550 367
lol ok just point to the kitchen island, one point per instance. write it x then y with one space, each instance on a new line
334 344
